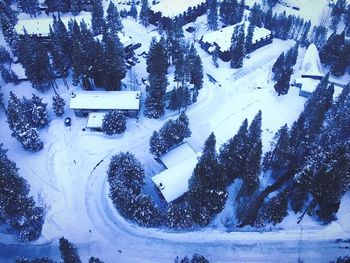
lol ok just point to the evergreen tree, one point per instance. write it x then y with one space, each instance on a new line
212 16
144 13
133 10
346 19
69 252
58 104
8 75
197 73
76 7
256 15
291 56
95 260
230 12
113 19
207 185
278 67
114 69
179 216
337 11
232 154
30 7
318 36
29 138
331 49
303 36
4 56
113 122
249 38
54 6
342 61
77 63
282 84
97 20
271 3
275 210
215 57
37 112
147 212
2 99
237 47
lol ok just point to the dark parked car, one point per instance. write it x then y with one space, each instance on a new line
68 121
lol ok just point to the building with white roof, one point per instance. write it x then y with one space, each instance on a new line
180 163
184 11
221 40
94 120
100 101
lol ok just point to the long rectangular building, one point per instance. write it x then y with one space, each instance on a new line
99 101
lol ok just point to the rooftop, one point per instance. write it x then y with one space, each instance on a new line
40 25
223 36
106 100
95 119
173 182
311 65
171 9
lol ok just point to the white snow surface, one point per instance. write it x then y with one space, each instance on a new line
106 100
41 25
177 155
171 9
68 177
222 37
308 85
311 65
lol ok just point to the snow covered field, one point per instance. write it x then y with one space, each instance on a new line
68 177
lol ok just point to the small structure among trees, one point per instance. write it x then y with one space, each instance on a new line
181 12
221 40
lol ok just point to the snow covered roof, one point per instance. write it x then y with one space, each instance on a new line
308 85
40 25
311 65
124 39
106 100
223 36
173 182
95 119
171 9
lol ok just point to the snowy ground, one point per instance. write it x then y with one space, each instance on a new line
66 179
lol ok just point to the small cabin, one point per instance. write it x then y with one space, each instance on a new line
182 11
221 40
179 162
86 102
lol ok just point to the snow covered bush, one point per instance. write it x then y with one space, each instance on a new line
171 134
58 104
69 252
113 122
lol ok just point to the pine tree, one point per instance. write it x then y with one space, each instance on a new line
275 210
212 16
30 7
147 212
133 10
319 36
29 138
76 7
233 152
114 69
342 61
337 11
215 57
249 38
144 13
69 252
346 19
256 15
331 49
4 56
278 67
237 47
113 20
228 12
282 84
97 19
113 122
95 260
58 104
8 75
207 185
54 6
197 73
38 115
303 36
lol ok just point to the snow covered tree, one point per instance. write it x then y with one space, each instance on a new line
342 61
97 20
232 154
282 84
337 12
4 56
318 36
207 194
256 15
278 67
113 122
114 69
8 75
29 138
215 56
157 67
146 212
271 3
55 6
212 16
197 73
249 38
275 210
2 99
144 13
35 111
30 7
231 12
331 49
14 111
95 260
69 252
76 7
113 20
133 10
237 47
16 207
58 104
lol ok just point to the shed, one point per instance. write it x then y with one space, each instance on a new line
180 163
94 121
221 39
100 101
